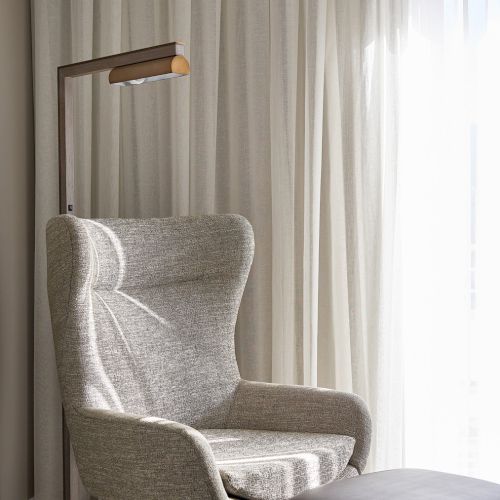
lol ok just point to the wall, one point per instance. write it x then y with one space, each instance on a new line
16 251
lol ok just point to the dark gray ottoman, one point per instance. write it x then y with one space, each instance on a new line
406 484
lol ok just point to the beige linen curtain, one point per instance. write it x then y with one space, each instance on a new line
288 118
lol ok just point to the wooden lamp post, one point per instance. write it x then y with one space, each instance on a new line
128 68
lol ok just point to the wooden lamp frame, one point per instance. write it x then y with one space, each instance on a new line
65 88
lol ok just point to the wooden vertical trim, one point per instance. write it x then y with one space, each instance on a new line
61 112
66 186
66 147
66 460
69 140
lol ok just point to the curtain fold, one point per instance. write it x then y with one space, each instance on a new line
283 60
288 118
359 331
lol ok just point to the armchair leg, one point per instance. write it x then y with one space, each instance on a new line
66 460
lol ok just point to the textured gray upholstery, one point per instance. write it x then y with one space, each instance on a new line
143 315
303 409
260 464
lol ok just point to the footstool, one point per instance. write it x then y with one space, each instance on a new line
405 484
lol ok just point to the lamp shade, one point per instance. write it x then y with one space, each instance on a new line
149 71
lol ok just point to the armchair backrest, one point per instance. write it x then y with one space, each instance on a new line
143 313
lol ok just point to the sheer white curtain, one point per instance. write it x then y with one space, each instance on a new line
450 237
290 118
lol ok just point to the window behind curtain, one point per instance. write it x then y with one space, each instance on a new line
449 220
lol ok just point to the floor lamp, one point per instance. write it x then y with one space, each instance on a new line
128 68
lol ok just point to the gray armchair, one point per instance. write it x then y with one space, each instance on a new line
143 315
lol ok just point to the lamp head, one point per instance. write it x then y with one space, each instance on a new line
149 71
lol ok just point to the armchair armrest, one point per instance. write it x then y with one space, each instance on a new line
128 457
258 405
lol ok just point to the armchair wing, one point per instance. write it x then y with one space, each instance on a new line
128 457
276 407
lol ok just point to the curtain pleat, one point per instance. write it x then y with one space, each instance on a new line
288 118
203 105
283 63
314 15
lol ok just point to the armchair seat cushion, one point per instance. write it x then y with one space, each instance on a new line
270 465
